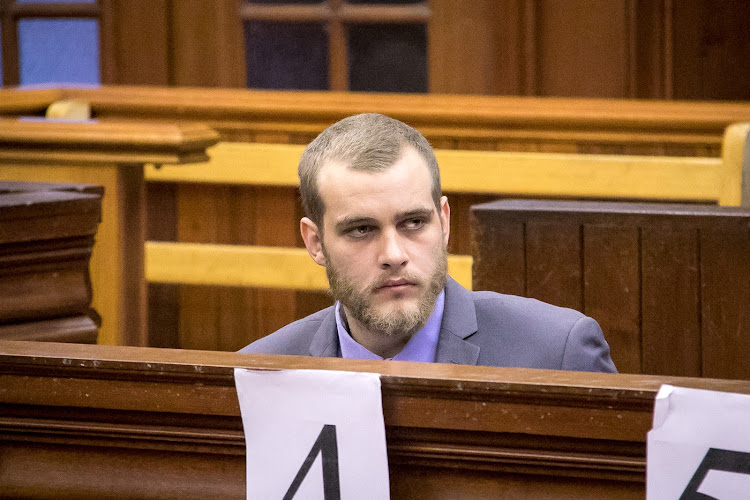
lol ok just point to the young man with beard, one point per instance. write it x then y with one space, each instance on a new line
377 220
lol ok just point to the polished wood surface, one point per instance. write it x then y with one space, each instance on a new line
251 266
110 155
668 283
46 235
120 422
505 123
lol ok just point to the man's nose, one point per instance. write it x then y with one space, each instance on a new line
392 251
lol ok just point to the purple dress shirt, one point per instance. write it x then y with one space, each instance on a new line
421 347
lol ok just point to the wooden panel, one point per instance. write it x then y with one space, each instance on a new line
492 67
207 47
163 300
460 237
139 42
572 35
234 216
725 279
553 263
668 283
710 47
97 420
670 303
504 269
653 65
612 290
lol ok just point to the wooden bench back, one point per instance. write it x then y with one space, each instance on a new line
549 175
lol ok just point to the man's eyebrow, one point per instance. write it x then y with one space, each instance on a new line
417 212
348 222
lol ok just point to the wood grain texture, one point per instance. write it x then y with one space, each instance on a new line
493 38
670 303
138 41
602 121
553 263
668 283
612 284
725 282
206 48
572 43
452 431
46 238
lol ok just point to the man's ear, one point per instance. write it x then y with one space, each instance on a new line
313 241
445 218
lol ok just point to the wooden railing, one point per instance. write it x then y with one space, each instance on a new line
116 422
111 155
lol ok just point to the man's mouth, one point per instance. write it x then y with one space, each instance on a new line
395 285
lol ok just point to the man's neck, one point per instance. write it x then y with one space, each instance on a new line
385 346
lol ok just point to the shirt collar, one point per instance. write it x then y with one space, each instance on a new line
421 347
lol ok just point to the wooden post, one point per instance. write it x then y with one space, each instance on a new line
111 155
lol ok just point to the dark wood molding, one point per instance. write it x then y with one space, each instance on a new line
97 411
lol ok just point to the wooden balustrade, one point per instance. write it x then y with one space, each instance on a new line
110 155
119 422
46 235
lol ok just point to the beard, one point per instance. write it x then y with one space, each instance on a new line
405 318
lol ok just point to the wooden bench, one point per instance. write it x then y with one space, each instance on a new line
258 216
668 283
698 180
118 422
701 180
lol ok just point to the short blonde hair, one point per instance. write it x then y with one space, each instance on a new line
368 142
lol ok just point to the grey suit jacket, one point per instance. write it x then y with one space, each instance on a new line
478 328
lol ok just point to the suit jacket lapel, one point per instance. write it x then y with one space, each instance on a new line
459 322
325 342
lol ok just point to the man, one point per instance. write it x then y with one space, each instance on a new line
377 220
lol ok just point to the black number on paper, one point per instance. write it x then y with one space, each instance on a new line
716 459
326 446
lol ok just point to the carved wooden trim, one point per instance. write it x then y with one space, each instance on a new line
79 401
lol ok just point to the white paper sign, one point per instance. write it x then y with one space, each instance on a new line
699 447
313 434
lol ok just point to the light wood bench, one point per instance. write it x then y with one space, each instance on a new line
545 175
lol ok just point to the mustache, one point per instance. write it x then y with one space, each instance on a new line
387 278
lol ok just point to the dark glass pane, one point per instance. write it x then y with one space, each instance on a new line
388 2
286 55
58 51
388 58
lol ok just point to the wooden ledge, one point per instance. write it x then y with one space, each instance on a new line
68 409
89 142
454 111
28 100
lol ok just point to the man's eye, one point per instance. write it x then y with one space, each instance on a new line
360 230
414 223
